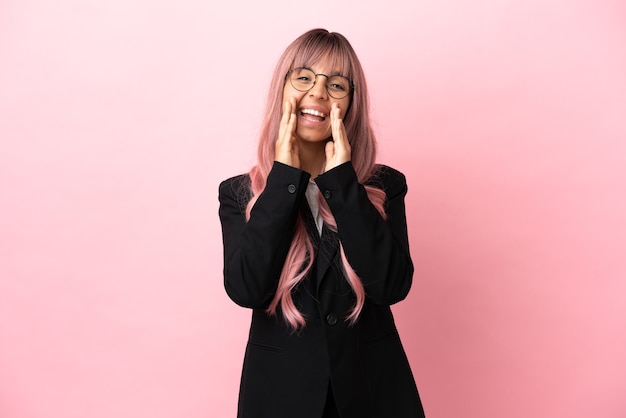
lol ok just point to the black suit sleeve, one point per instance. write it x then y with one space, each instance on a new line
377 249
255 251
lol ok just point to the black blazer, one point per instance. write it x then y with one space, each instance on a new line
286 374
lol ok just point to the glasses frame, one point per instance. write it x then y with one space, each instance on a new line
348 94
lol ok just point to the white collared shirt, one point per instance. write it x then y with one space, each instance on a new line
312 193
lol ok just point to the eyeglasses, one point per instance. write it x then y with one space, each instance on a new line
303 79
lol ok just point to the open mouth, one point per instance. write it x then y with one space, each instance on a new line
314 115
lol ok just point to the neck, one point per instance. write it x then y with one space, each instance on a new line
312 157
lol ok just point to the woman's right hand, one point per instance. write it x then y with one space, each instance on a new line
287 144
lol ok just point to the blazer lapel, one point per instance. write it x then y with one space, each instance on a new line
325 246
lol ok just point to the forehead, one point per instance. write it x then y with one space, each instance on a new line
324 68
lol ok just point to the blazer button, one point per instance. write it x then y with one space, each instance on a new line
327 194
331 319
291 188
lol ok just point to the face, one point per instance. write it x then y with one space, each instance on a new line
313 107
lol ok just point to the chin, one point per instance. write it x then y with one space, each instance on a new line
308 137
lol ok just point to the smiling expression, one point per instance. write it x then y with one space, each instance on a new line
313 107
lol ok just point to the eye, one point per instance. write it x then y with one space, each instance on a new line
302 75
338 84
337 87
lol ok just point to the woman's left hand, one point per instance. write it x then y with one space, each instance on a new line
338 150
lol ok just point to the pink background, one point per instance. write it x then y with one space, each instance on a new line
119 118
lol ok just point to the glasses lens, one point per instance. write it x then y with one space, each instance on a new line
302 79
338 86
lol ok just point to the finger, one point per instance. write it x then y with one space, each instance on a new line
338 129
335 117
330 151
293 117
292 102
282 142
284 119
286 110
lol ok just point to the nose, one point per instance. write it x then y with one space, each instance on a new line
319 88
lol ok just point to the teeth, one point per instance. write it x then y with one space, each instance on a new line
313 112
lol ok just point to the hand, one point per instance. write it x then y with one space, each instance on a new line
338 150
287 144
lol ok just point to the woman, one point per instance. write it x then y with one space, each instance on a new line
315 242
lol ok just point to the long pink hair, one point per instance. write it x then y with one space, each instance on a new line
312 47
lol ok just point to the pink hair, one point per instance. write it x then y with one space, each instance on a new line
312 47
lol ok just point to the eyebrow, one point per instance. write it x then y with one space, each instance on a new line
331 74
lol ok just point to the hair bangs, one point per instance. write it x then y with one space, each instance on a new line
329 49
